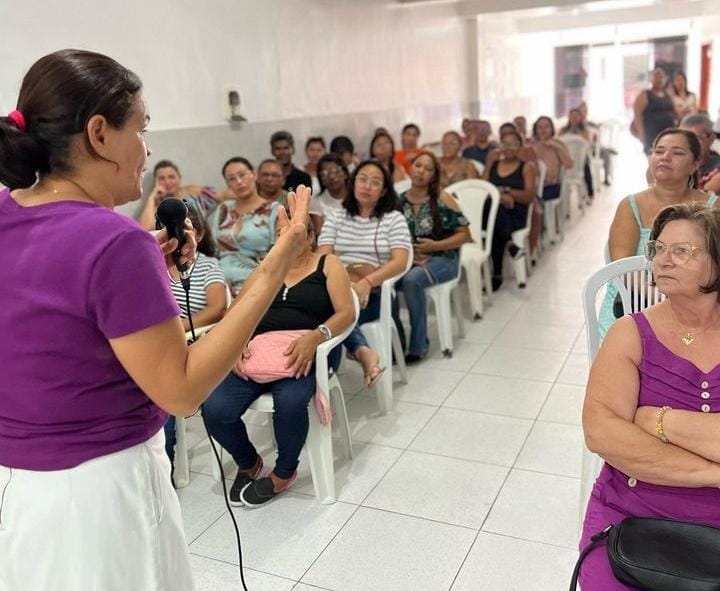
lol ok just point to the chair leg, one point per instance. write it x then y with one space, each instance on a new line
520 272
338 402
487 277
472 273
443 314
215 468
377 337
182 469
457 304
320 457
399 355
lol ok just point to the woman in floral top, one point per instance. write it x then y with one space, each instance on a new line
438 229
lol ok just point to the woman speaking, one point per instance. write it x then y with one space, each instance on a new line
93 350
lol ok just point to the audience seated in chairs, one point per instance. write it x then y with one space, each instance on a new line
645 409
438 229
315 299
382 149
207 294
333 176
410 147
270 181
372 239
515 180
342 145
453 166
282 146
481 144
673 166
314 150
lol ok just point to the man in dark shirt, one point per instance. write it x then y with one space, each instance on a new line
482 146
702 127
282 146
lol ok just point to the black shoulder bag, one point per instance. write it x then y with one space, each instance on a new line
660 554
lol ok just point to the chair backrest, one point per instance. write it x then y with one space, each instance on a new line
632 277
472 196
542 171
579 148
402 186
479 166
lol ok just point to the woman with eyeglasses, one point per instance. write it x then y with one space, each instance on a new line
673 165
373 241
333 176
652 401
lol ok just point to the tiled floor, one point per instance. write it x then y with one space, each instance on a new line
470 484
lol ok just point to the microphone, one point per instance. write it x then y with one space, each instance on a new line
171 214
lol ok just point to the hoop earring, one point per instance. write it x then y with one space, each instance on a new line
691 182
648 269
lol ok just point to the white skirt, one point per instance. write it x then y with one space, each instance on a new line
110 524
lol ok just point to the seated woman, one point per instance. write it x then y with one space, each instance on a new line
245 227
515 180
168 183
382 149
314 150
576 126
673 166
454 167
372 239
651 407
208 296
333 176
315 297
553 153
438 229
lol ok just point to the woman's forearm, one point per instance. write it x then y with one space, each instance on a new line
453 242
524 196
696 432
631 450
390 269
207 315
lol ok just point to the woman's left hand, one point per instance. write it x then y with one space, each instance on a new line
301 354
189 249
424 245
362 288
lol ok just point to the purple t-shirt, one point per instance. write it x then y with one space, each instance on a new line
74 275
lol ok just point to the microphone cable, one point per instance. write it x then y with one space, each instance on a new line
186 287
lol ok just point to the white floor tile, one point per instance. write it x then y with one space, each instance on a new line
282 538
306 587
499 395
575 371
564 404
546 337
484 331
553 448
498 563
396 429
537 507
355 478
473 436
380 550
465 354
438 488
516 362
202 504
426 385
212 575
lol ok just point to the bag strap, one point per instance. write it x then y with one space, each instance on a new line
594 541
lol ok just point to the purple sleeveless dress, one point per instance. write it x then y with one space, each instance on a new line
665 379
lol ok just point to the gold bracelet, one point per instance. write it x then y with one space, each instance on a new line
659 423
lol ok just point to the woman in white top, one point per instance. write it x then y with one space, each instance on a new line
314 150
684 101
372 239
333 176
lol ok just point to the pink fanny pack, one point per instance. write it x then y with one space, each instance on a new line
264 360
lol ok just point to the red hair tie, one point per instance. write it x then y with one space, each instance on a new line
18 119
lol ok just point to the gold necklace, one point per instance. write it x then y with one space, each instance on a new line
689 336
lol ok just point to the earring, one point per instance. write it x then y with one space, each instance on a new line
691 182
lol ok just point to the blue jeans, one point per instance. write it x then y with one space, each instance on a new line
437 270
170 437
229 401
356 338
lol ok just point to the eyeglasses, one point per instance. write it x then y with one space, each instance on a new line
680 252
329 171
372 182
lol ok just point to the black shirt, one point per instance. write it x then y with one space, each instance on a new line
296 178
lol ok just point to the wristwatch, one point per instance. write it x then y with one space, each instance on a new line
325 331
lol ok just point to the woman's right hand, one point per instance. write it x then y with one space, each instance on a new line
293 227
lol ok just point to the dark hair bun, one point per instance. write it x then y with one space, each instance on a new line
21 156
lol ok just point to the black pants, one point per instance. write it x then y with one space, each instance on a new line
506 222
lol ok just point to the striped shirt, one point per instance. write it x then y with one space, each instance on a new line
205 272
365 240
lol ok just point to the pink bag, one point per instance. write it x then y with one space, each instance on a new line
264 361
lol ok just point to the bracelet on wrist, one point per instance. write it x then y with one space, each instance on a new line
659 428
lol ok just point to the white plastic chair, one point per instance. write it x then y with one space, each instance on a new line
383 337
539 184
445 296
574 178
632 277
475 256
479 166
402 186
